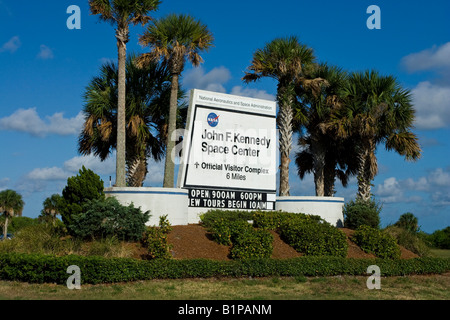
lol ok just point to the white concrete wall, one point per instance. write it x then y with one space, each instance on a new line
159 201
328 208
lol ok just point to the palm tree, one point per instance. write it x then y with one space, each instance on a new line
51 205
287 61
377 110
10 203
147 95
408 221
122 13
324 155
175 39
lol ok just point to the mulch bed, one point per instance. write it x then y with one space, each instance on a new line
194 241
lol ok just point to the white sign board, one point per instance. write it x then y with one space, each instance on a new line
229 152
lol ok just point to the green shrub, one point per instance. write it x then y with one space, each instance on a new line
375 241
225 231
314 237
155 239
409 240
440 238
211 216
234 230
102 218
79 189
18 223
251 244
272 220
360 212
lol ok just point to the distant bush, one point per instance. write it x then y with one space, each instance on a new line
18 223
311 236
102 218
155 240
440 238
375 241
359 212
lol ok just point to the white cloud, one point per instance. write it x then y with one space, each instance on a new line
28 120
45 53
11 45
91 162
155 175
47 174
436 184
430 59
252 93
431 98
213 80
4 183
432 103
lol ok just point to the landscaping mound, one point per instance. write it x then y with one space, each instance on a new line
194 241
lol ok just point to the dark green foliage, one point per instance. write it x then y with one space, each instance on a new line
231 228
102 218
79 189
211 216
156 242
225 231
360 212
440 238
37 268
18 223
311 236
272 220
252 243
380 243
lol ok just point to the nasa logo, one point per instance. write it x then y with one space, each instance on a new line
213 119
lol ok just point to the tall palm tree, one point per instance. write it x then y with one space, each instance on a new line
377 110
10 203
147 95
122 13
323 154
175 39
51 205
286 60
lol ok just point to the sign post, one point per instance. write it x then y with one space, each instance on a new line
229 157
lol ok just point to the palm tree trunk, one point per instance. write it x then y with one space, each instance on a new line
319 167
169 167
284 119
330 178
137 172
122 39
5 228
367 170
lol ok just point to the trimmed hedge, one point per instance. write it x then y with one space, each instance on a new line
378 242
35 268
272 220
314 237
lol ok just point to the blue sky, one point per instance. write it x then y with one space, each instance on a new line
44 68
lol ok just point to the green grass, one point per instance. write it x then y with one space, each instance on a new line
430 287
440 253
